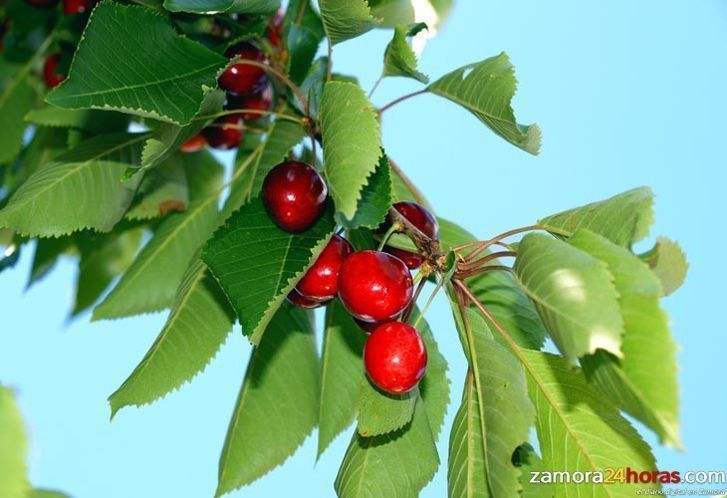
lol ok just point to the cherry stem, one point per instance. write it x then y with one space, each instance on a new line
486 259
395 227
401 99
282 78
376 85
424 310
417 292
423 242
231 112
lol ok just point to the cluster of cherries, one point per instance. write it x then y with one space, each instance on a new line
376 287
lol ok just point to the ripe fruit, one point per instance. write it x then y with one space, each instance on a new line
367 327
71 7
226 132
374 286
301 301
50 71
395 357
294 194
194 144
258 101
274 30
244 79
420 217
320 282
42 4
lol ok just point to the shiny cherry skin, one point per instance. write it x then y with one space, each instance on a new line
420 217
261 101
274 32
374 286
50 71
194 144
320 282
244 79
226 132
304 302
72 7
395 357
294 194
412 260
42 4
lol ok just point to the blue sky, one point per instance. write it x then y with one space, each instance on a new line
627 94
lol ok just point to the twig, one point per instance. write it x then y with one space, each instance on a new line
401 99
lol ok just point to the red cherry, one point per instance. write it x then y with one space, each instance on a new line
225 133
274 30
42 4
420 217
412 260
258 101
302 301
294 194
72 7
50 71
374 286
320 282
395 357
367 327
244 79
194 144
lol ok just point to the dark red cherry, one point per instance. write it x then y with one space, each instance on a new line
194 144
226 132
412 260
274 30
244 79
258 102
374 286
301 301
72 7
395 357
50 71
420 217
295 194
367 327
42 4
320 282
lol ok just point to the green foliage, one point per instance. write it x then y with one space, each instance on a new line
214 6
375 199
304 34
345 19
381 413
668 261
13 483
399 58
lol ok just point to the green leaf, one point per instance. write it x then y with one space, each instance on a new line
163 74
342 373
493 420
375 199
13 481
399 58
345 19
529 461
258 264
151 282
395 465
624 219
668 261
574 295
580 430
89 120
44 493
381 413
352 139
486 89
47 252
278 403
304 35
391 13
648 394
195 330
164 189
215 6
79 189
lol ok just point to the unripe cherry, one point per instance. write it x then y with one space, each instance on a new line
320 282
374 286
294 194
395 357
240 78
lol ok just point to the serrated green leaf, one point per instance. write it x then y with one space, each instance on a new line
668 261
258 264
304 34
164 189
648 394
381 413
494 418
391 13
47 252
90 120
574 295
46 145
278 403
624 218
79 189
486 89
352 139
13 481
163 75
399 58
195 330
375 199
216 6
580 430
528 461
395 465
434 387
151 282
345 19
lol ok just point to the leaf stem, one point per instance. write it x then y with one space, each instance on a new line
401 99
486 259
230 112
434 293
417 292
395 227
376 85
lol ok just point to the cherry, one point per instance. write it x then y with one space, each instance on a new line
244 79
302 301
194 144
72 7
367 327
274 30
258 101
374 286
50 71
294 195
42 4
395 357
320 282
226 132
420 217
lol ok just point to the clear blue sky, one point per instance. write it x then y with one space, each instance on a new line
627 93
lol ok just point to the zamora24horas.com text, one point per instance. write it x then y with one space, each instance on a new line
627 475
